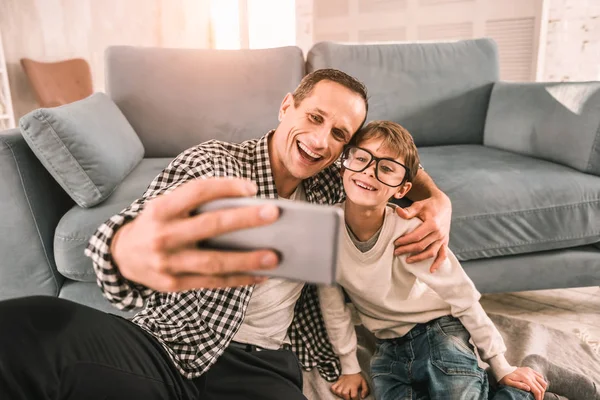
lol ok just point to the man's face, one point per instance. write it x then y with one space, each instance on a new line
363 188
311 136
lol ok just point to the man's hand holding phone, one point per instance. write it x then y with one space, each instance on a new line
158 249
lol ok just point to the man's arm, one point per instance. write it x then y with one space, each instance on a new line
423 187
338 323
151 245
433 207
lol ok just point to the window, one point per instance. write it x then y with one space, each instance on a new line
253 24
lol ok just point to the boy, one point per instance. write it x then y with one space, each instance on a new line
422 321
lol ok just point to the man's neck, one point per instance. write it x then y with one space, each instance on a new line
364 222
285 183
286 186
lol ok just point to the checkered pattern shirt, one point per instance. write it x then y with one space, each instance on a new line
196 326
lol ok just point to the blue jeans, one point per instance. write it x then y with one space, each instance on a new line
433 361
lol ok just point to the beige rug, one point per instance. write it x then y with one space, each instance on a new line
570 362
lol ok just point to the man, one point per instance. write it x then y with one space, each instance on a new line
232 338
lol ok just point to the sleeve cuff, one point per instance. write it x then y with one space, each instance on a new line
350 364
500 367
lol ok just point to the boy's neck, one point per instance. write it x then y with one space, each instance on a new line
363 221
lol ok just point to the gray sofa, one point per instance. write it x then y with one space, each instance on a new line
520 161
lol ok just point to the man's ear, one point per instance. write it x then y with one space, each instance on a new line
402 190
288 101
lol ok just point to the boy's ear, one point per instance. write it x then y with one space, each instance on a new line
402 190
288 100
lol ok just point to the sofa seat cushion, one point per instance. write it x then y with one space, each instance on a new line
79 224
505 203
88 294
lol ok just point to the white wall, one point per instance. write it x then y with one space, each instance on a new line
271 23
573 41
570 49
304 25
50 30
253 24
514 24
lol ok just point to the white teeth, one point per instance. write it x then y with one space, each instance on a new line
307 151
364 185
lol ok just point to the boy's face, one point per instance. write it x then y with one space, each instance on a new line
363 188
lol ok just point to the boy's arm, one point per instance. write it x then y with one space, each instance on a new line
455 287
338 322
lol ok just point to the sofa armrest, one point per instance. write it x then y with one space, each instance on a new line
31 204
557 121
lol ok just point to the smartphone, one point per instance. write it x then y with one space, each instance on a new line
306 237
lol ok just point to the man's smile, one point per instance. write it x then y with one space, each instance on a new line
307 153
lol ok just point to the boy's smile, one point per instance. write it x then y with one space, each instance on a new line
362 184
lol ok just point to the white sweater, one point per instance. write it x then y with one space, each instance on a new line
392 296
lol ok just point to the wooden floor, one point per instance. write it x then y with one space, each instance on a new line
575 310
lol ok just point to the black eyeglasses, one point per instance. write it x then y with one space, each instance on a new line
387 171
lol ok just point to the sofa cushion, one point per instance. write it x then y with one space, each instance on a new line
87 146
88 294
438 91
32 203
558 121
177 98
505 203
79 224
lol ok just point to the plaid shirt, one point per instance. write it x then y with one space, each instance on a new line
196 326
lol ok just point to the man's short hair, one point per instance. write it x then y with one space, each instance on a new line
396 139
307 84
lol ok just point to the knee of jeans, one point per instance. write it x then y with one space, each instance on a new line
381 365
513 393
451 342
453 356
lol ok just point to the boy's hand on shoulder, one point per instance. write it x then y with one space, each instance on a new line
526 379
351 387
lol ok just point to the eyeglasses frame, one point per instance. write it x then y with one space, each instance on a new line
377 160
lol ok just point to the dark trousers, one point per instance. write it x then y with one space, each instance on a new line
56 349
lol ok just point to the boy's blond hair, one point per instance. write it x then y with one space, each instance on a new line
395 139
